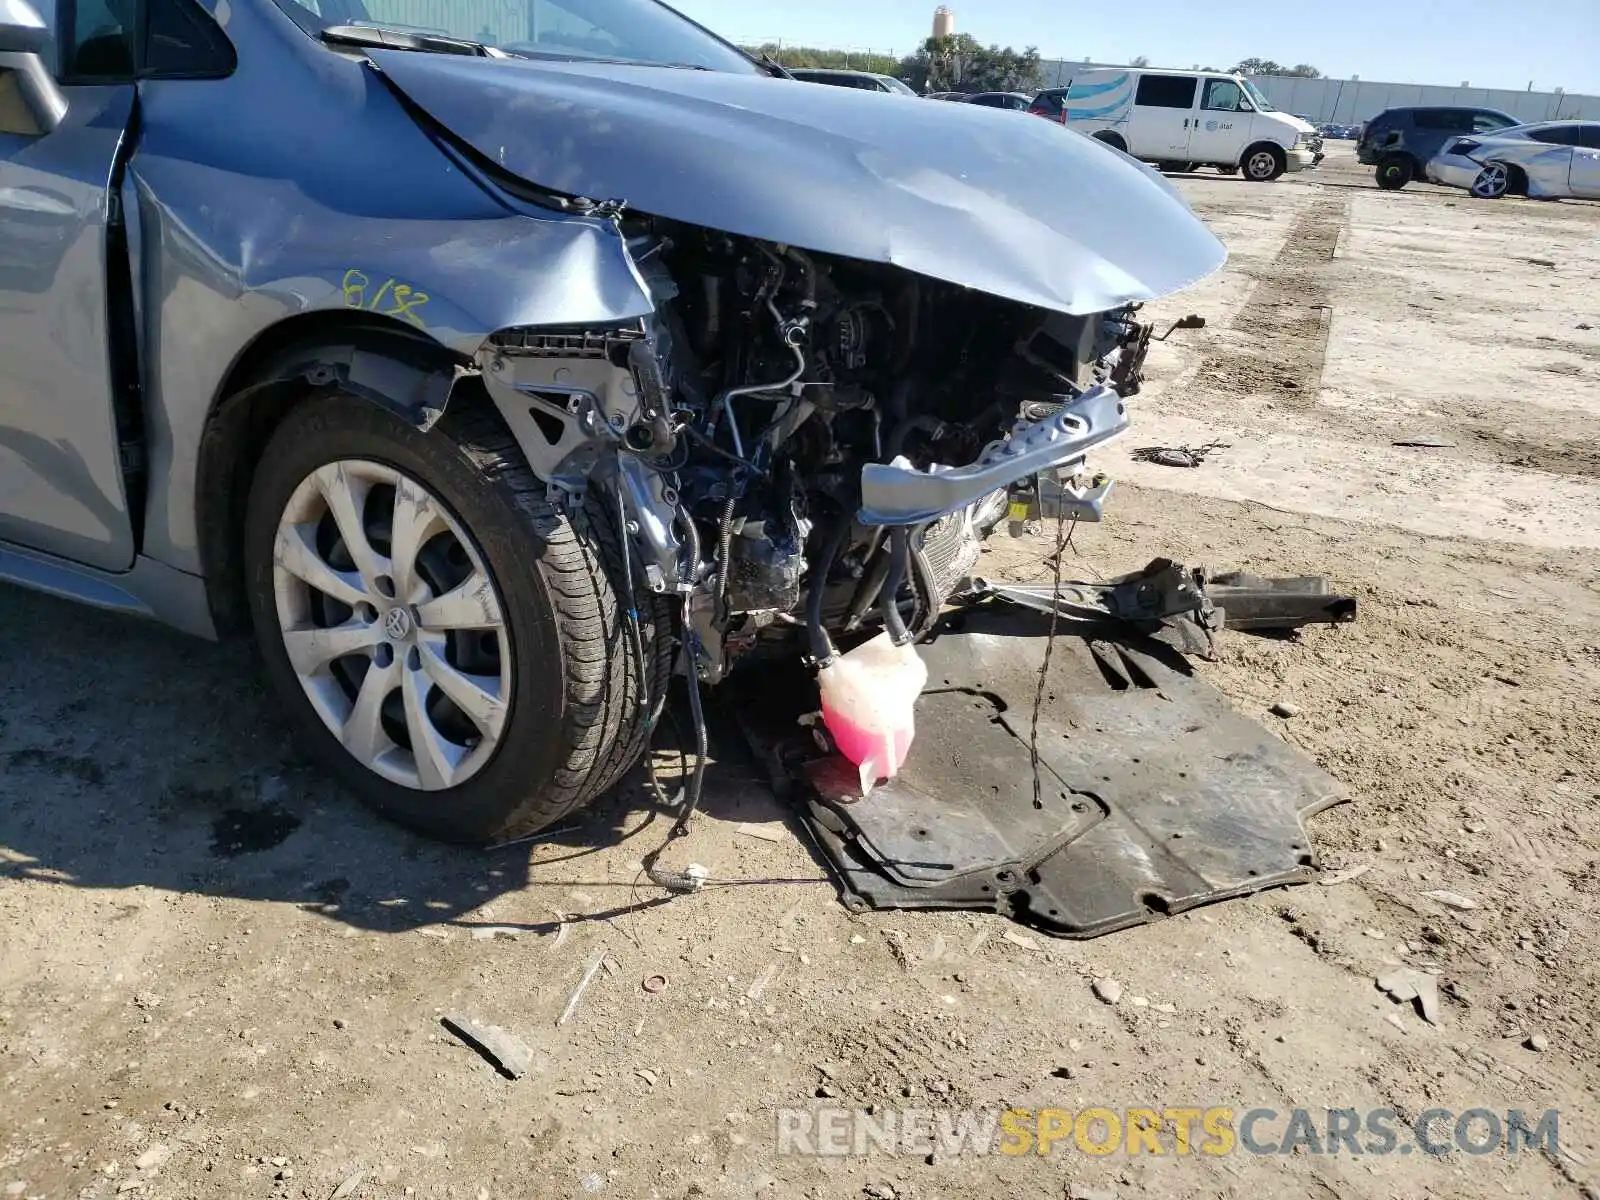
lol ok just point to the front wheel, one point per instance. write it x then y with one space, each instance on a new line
448 644
1263 164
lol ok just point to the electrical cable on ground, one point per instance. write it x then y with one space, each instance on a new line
1063 540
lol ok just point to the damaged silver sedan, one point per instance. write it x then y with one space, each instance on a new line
492 374
1548 160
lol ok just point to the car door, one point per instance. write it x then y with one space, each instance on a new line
1585 176
61 478
1550 164
1222 126
1163 114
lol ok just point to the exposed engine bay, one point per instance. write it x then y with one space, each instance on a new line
798 442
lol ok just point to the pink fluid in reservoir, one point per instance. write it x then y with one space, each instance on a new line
868 701
885 748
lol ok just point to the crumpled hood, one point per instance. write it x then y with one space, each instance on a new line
998 201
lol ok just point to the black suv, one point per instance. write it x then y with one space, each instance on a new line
1400 141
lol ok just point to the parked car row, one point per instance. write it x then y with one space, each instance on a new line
1399 142
871 81
1483 151
1180 120
866 81
1176 119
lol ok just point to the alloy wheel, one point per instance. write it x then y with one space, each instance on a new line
392 624
1492 182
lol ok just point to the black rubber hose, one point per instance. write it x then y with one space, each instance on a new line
822 649
725 546
703 440
926 585
889 603
691 537
870 588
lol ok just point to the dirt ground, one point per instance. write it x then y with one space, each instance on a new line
219 977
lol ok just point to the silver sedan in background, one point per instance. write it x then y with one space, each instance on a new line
1546 160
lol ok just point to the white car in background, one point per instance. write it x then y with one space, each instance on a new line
1547 160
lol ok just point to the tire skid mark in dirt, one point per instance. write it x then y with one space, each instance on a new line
1536 451
1279 341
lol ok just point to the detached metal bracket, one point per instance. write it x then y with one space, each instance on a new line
1179 604
1163 589
1251 602
896 493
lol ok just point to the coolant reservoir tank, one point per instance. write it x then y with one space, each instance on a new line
867 701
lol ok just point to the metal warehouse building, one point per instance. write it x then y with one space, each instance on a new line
1349 101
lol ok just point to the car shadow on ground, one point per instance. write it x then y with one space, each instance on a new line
131 755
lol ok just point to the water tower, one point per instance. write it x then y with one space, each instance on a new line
944 22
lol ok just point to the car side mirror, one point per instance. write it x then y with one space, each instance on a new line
1245 105
25 39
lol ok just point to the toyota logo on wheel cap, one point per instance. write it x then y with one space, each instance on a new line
396 624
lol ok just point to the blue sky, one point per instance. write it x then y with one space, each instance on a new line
1490 43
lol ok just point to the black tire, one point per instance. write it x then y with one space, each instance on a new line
1395 171
574 724
1113 140
1264 162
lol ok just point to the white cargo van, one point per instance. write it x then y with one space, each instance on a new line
1182 119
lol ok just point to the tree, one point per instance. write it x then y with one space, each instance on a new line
961 64
1140 61
1265 66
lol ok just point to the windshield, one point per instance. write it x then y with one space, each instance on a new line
641 31
1261 102
897 86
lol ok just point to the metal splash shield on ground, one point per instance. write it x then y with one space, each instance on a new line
1155 796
